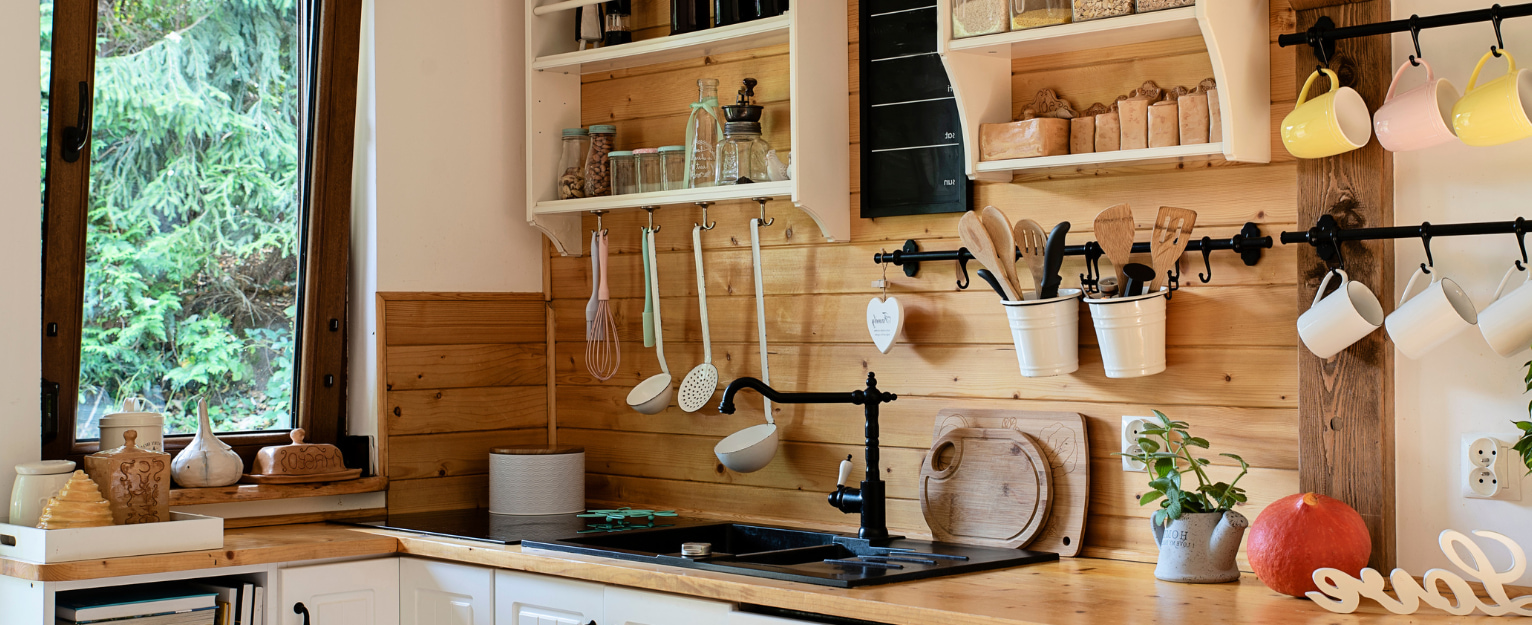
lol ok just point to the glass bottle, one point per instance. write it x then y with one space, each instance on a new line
726 12
742 155
624 174
687 16
571 170
598 170
673 167
647 168
703 129
619 22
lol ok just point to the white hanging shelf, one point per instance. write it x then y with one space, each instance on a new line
1237 36
820 120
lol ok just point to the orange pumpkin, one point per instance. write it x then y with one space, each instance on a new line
1299 534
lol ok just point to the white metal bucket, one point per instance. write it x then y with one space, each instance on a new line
1131 331
1046 333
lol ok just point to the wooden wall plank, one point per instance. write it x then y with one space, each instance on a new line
440 411
445 455
447 493
412 367
517 318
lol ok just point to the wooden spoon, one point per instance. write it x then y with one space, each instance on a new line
1114 232
1172 231
976 239
999 229
1033 242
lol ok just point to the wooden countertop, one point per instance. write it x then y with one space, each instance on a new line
1073 590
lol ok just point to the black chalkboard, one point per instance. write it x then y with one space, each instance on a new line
912 149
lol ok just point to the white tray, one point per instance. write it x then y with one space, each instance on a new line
183 532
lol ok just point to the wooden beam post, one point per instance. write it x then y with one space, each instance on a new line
1346 403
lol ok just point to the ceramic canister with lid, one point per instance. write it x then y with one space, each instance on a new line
536 480
35 483
149 425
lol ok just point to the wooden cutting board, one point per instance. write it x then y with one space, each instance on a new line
985 487
1062 437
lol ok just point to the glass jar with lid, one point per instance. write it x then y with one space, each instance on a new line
598 174
673 167
624 172
742 154
1034 13
971 18
647 170
571 182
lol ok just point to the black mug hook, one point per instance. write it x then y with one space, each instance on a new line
1499 41
1207 253
1415 35
1521 241
963 256
1425 238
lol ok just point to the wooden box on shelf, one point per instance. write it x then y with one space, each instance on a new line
1041 136
136 482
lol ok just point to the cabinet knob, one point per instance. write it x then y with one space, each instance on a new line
299 608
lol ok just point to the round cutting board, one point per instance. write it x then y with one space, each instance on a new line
986 487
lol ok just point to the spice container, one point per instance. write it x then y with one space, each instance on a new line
624 173
571 181
1034 13
598 173
647 167
1097 9
619 23
673 167
971 18
1156 5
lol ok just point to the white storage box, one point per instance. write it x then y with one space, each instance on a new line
183 532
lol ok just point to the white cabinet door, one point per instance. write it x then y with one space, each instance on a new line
746 618
443 593
529 599
365 592
625 606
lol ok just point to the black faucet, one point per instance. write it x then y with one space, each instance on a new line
870 499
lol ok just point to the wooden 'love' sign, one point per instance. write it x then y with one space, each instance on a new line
1339 592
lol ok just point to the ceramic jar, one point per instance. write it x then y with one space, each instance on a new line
135 481
35 483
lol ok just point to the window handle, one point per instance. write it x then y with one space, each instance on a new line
78 135
50 410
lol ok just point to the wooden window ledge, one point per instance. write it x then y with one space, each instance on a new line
267 492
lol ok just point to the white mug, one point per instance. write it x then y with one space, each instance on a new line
1507 321
1438 313
1334 323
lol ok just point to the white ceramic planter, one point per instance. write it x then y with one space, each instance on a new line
1046 333
1131 332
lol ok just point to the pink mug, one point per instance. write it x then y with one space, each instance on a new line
1418 118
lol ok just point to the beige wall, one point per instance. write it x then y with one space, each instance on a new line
20 250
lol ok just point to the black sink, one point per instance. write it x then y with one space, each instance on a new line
824 558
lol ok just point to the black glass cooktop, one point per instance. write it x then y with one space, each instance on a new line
479 524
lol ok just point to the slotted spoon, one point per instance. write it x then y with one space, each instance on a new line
1033 243
699 385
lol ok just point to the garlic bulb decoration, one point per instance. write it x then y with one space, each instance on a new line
207 461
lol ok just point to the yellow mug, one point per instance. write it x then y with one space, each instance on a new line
1495 112
1330 124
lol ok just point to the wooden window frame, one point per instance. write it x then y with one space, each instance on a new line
329 48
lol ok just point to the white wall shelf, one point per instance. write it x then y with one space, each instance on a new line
820 120
1236 34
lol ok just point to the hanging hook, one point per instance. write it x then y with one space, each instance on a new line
762 201
599 228
1499 41
651 209
1340 256
1415 35
1425 238
1207 253
1090 281
1521 240
706 225
963 256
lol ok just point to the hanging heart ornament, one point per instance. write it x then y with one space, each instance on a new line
885 318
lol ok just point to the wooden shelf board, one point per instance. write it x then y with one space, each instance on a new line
666 198
1100 33
754 34
1148 156
264 492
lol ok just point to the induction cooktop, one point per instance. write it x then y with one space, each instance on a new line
478 524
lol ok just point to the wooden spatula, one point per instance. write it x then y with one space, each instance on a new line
976 239
999 229
1172 230
1114 232
1030 238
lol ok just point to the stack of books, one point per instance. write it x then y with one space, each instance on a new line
202 602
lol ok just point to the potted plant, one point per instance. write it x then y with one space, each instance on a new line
1197 529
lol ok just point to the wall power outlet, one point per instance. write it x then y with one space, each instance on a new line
1489 471
1132 427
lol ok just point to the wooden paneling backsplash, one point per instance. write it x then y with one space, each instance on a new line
1232 345
463 373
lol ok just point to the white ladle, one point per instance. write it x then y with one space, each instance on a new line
698 386
751 449
653 395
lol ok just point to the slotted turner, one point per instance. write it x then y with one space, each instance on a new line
1033 242
1172 231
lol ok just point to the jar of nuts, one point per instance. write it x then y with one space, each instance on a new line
1144 6
598 168
571 183
1097 9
